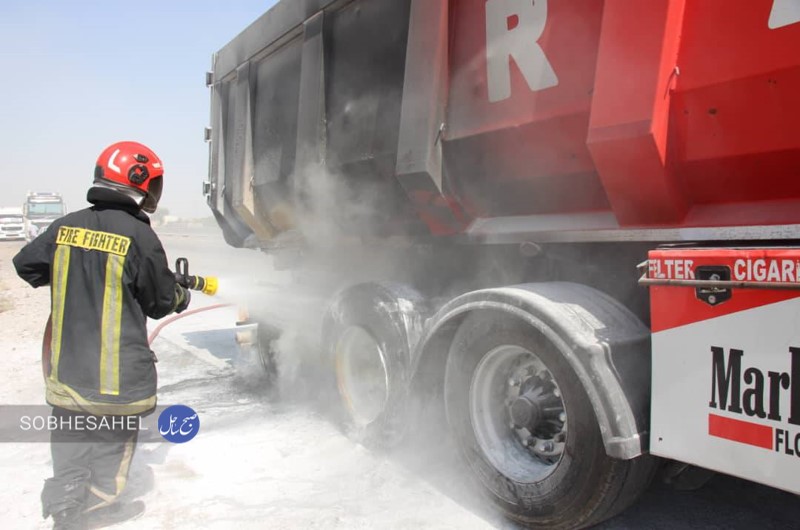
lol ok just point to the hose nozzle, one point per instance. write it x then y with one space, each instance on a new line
205 284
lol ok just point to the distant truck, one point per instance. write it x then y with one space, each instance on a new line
41 209
12 225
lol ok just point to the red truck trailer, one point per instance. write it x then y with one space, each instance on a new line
589 218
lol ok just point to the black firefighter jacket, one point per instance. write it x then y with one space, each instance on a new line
107 272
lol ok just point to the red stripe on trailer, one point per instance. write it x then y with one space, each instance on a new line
740 431
675 306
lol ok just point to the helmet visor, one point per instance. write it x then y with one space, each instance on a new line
154 189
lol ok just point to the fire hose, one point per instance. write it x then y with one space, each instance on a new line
205 284
173 318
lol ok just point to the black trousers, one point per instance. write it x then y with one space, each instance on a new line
90 465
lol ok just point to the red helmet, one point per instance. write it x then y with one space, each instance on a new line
133 169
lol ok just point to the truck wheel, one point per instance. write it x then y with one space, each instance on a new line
527 430
367 331
257 362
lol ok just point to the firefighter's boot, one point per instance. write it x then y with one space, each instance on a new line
70 519
118 512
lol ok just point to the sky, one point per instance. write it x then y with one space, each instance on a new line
79 75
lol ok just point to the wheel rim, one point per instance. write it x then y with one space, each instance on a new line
361 374
517 413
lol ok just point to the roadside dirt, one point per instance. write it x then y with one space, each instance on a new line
23 314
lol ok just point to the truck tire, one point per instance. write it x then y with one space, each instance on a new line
527 430
368 331
267 358
257 362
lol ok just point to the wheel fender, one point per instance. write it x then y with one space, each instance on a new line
607 346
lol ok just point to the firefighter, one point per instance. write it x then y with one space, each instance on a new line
107 273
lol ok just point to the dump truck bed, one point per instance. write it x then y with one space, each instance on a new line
510 120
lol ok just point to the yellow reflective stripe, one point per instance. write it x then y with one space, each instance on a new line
59 295
105 499
93 240
121 478
111 326
61 395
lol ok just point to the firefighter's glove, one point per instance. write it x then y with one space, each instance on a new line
182 298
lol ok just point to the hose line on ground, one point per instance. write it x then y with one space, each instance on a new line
173 318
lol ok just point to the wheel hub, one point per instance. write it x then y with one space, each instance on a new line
525 412
536 411
518 415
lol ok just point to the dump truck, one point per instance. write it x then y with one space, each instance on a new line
591 213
